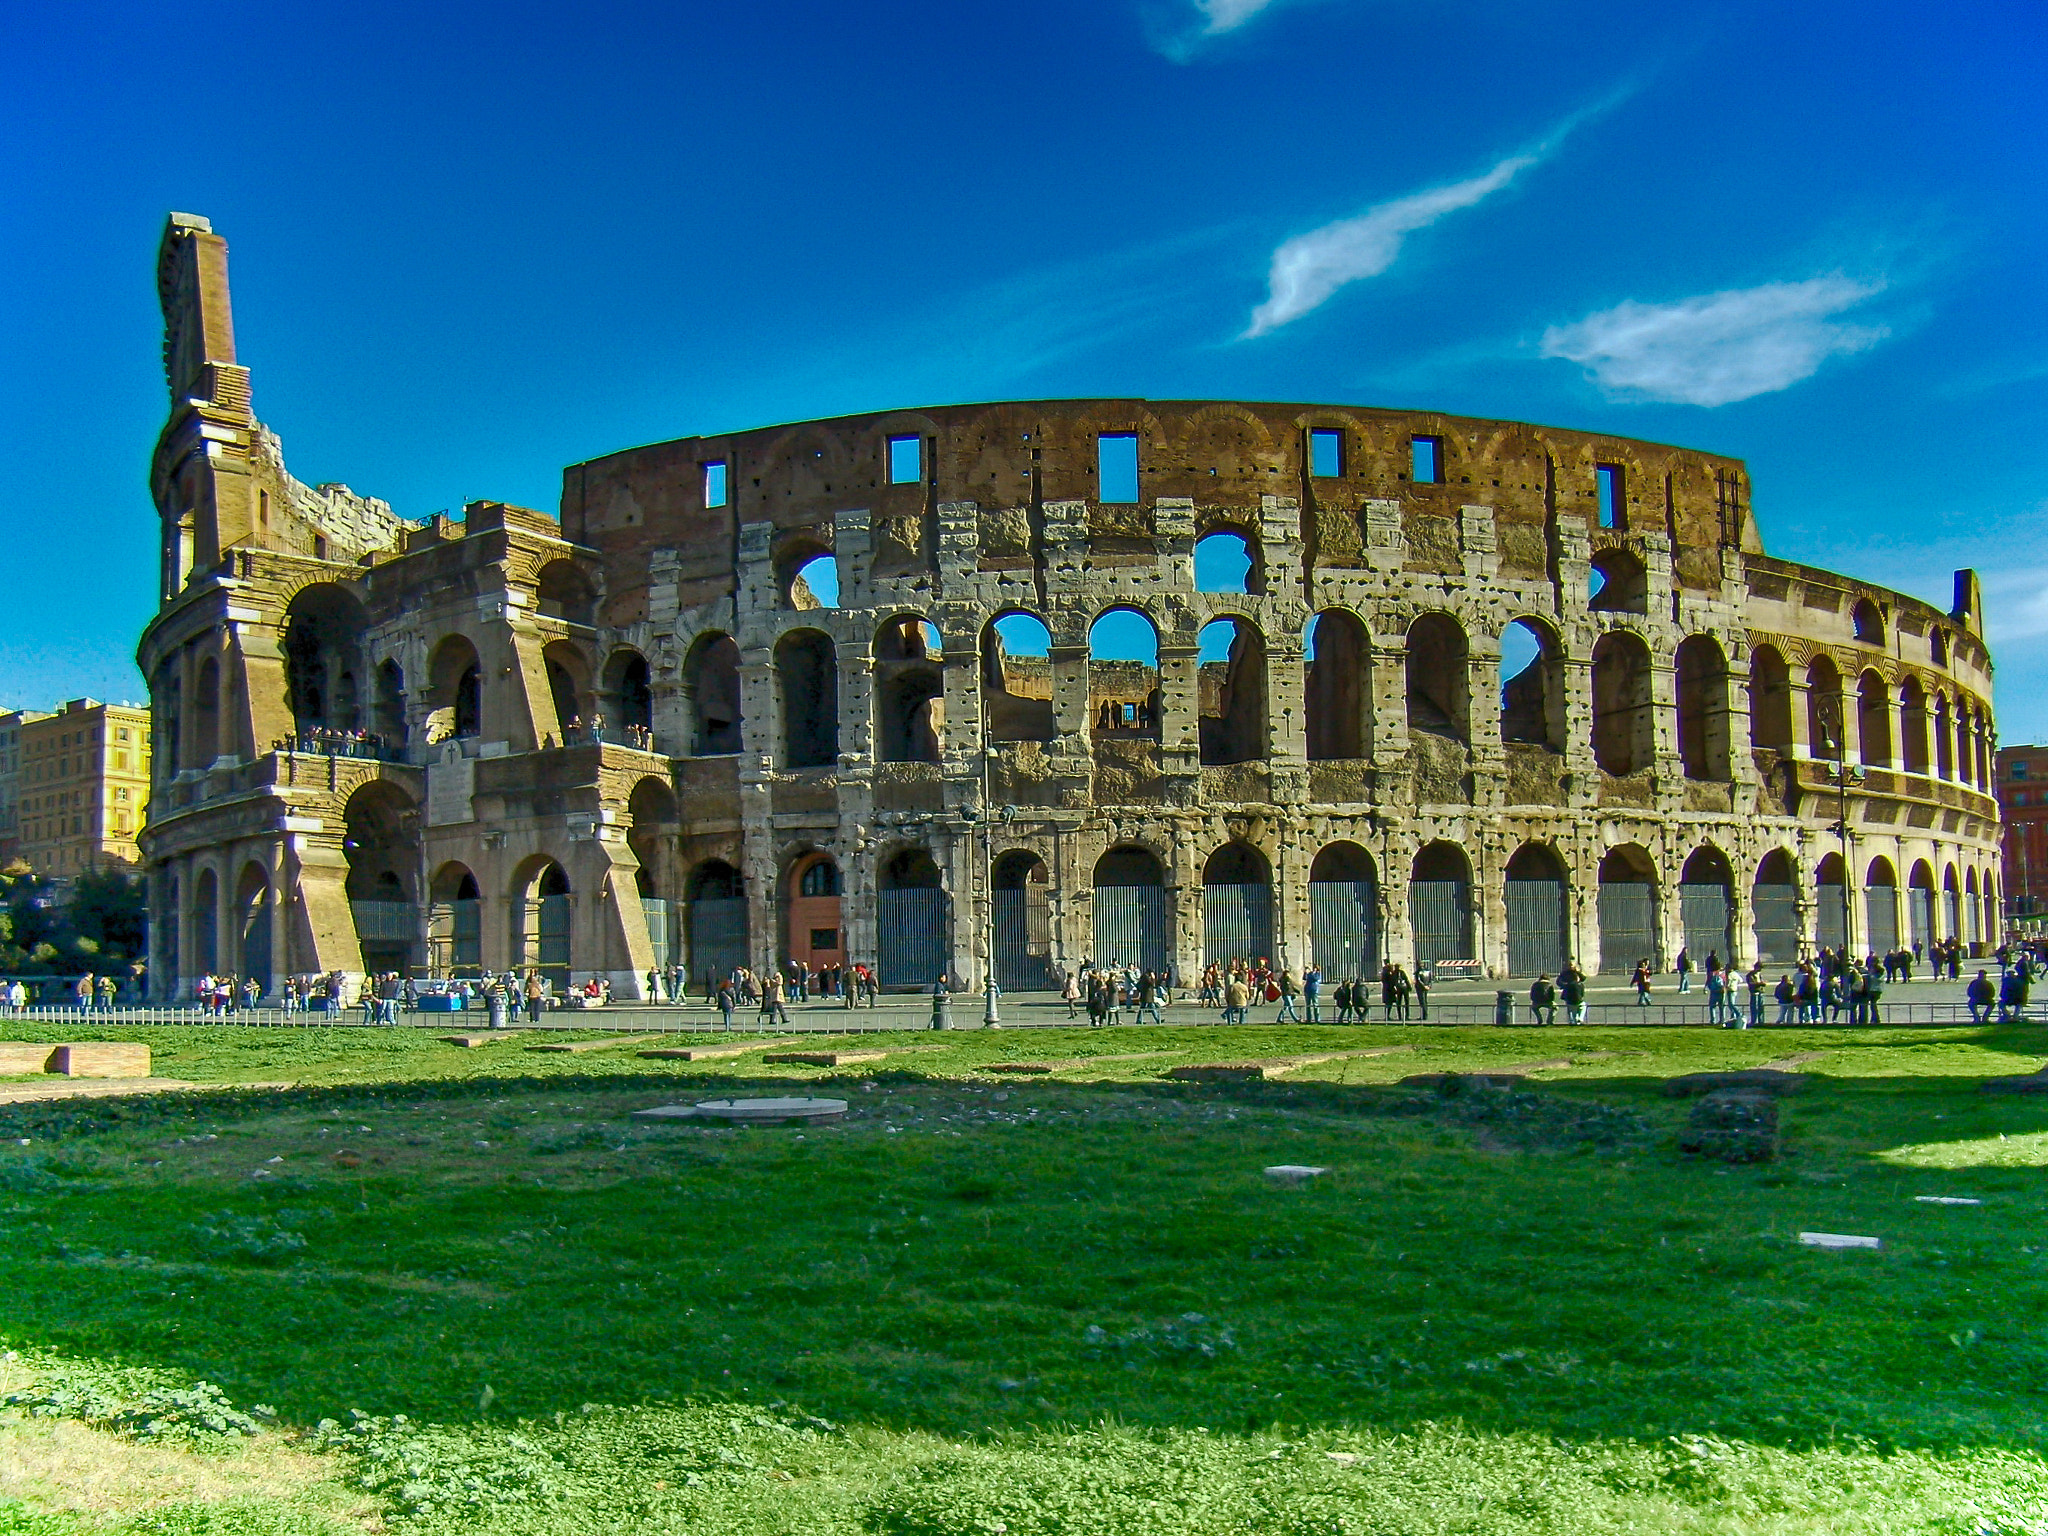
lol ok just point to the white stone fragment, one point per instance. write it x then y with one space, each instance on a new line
1947 1200
1292 1173
1838 1240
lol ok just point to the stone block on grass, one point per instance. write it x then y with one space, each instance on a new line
1218 1072
100 1058
18 1056
1838 1240
823 1058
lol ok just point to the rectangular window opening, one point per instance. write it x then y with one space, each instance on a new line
1116 467
1326 454
906 460
1428 460
714 483
824 938
1608 477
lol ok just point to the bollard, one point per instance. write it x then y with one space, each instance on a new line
942 1008
1503 1007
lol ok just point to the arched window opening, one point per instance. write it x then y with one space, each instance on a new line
568 696
1022 918
1227 561
1774 909
1339 680
1824 707
1770 701
1868 622
323 634
206 713
1016 679
1706 907
1629 930
1616 582
911 943
1439 678
455 928
1440 905
629 699
1880 908
1123 674
563 591
1973 930
1874 721
1131 925
1237 905
654 834
1913 726
381 841
253 922
1231 657
810 579
1532 707
1951 905
910 692
1702 681
206 922
1624 711
717 922
389 711
1344 913
1937 647
807 671
1920 906
1539 940
711 687
816 934
1944 740
455 690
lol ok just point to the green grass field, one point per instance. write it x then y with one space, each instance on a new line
471 1294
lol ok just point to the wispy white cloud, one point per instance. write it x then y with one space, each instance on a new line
1307 269
1220 16
1717 348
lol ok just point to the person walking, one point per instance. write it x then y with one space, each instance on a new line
1717 992
1641 981
1571 987
1290 990
1753 981
773 1008
533 994
1070 994
1683 966
1312 993
723 996
1422 975
1148 999
82 990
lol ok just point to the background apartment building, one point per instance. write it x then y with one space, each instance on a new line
2023 806
74 786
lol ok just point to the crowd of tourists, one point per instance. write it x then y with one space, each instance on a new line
328 742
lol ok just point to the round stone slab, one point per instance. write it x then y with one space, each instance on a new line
773 1111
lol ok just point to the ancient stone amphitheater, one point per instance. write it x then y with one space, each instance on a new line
1030 683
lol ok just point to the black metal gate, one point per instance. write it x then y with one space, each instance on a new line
910 944
1920 913
1344 927
1440 916
1130 926
1775 910
1628 927
1536 940
718 937
1023 940
1707 914
1237 922
1881 930
1827 916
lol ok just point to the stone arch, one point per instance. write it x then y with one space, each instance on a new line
1016 678
912 942
628 694
1973 912
1132 925
1944 739
909 691
563 590
1439 677
815 931
1021 913
1617 582
1873 720
653 830
1706 906
1913 726
1919 906
1344 912
711 684
1630 930
571 700
1824 707
1440 904
1770 700
807 670
1532 695
1538 920
1774 908
1123 672
254 899
807 575
381 841
1624 706
1701 677
1338 653
206 922
1867 620
543 919
455 690
323 637
1937 646
1229 558
1237 904
1233 691
455 927
1951 904
1830 902
1880 907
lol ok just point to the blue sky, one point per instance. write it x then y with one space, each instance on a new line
474 244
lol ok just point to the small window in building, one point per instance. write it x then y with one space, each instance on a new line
824 938
1116 467
906 460
714 483
1326 454
1608 478
1427 460
2019 770
319 547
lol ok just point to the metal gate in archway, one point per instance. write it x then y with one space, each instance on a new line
1881 919
910 939
1344 927
256 939
1130 926
1023 924
1774 909
1440 916
718 937
1628 926
1707 915
553 933
1535 912
1920 914
1237 923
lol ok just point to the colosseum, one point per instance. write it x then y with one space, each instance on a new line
1023 684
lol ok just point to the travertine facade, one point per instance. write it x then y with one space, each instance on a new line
879 774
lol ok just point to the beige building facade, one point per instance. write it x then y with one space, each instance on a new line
1012 686
74 786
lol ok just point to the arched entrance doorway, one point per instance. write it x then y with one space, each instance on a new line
1628 911
1706 907
1130 910
1237 905
253 914
815 935
543 923
1881 907
381 832
1440 905
1023 922
1920 906
455 923
910 913
1830 905
1534 893
1774 909
1344 912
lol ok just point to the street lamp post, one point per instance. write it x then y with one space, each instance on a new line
991 1018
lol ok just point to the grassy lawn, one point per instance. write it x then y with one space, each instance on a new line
1062 1303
